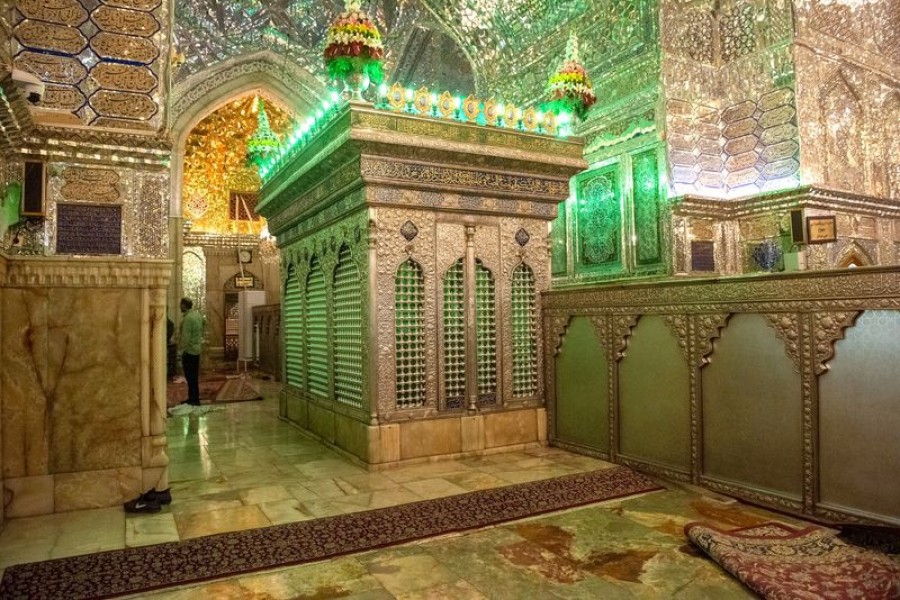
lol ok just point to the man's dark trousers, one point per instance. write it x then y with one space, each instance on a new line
191 365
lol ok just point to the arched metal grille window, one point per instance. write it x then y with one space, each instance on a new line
454 337
486 327
347 336
293 330
317 330
524 335
409 337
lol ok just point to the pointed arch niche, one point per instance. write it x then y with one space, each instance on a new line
281 84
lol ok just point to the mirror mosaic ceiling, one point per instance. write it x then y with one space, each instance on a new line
510 46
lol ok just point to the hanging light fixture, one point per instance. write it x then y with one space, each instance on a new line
264 142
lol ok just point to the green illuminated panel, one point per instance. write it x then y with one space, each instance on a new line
317 331
599 220
645 180
559 257
347 332
409 340
454 337
293 331
524 340
486 326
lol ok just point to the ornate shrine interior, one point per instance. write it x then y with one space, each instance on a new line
431 285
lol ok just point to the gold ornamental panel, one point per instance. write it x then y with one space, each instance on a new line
124 47
120 20
90 185
51 68
47 36
123 105
60 12
122 124
63 97
135 4
130 78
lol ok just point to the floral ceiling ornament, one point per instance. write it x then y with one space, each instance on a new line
353 50
264 141
569 89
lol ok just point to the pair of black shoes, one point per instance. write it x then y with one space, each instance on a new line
149 502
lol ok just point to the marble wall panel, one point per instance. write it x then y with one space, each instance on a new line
71 377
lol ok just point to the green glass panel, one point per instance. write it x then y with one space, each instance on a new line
317 331
559 256
409 334
347 336
454 338
293 331
486 327
524 339
599 219
645 180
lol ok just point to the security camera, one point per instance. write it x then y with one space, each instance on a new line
28 83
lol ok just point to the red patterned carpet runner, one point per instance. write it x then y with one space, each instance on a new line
782 563
135 570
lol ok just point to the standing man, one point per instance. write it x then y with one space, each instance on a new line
189 344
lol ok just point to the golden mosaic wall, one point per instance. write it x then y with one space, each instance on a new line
848 100
102 62
215 164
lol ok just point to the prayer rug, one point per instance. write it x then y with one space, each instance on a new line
177 392
137 570
779 562
237 389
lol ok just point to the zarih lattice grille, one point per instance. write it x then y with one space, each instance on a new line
293 331
409 336
454 337
486 326
347 337
317 331
524 337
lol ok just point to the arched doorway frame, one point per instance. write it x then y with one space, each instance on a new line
274 77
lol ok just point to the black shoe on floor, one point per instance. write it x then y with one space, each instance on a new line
163 497
142 504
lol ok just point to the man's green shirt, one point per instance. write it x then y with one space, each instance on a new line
191 332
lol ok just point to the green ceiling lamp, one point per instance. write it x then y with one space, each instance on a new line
264 142
569 89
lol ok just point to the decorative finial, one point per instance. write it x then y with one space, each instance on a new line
570 89
353 49
572 48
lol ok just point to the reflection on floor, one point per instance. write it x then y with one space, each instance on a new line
238 467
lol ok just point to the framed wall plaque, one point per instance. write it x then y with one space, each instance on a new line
821 230
88 229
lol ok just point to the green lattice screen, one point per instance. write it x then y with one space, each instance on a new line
486 326
599 220
559 255
645 179
347 331
293 330
454 337
409 337
524 337
316 331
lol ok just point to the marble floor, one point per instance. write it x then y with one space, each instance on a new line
237 466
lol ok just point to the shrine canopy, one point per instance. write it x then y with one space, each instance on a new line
415 149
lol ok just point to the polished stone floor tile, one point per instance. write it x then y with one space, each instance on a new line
146 530
239 467
220 521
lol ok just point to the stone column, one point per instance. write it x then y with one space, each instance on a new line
154 460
